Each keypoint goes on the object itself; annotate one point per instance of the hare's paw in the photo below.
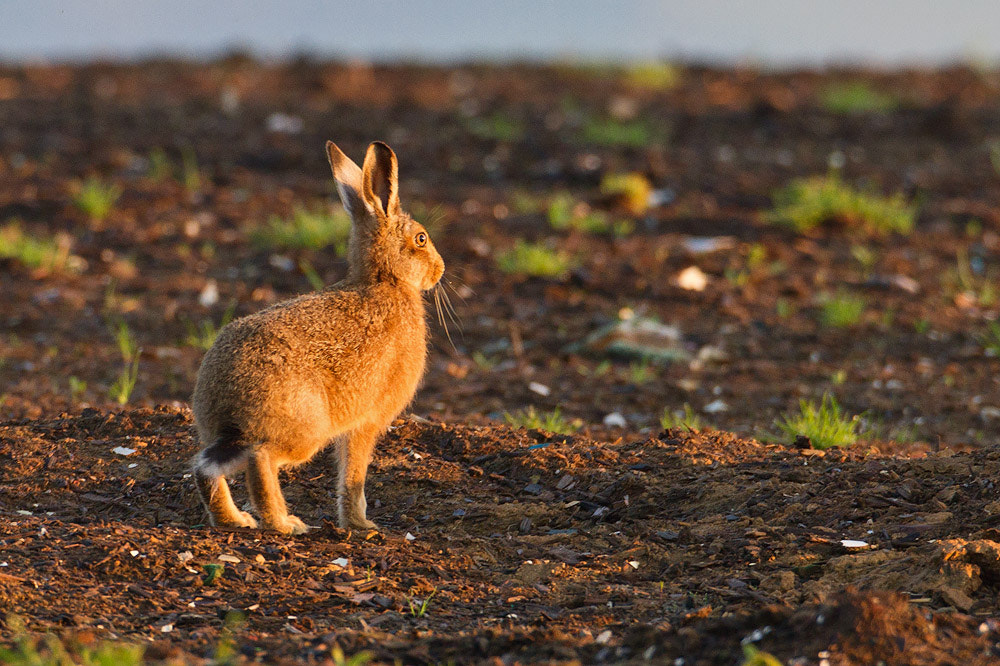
(361, 524)
(237, 519)
(289, 525)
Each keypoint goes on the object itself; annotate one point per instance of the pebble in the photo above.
(615, 420)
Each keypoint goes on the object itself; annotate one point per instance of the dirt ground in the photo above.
(499, 544)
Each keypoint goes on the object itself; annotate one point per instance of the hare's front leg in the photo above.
(265, 493)
(355, 454)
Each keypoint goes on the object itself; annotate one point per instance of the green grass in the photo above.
(653, 75)
(826, 426)
(420, 609)
(856, 97)
(681, 419)
(190, 172)
(617, 133)
(633, 189)
(842, 310)
(315, 281)
(990, 339)
(304, 230)
(535, 260)
(160, 168)
(121, 389)
(564, 213)
(43, 253)
(553, 421)
(77, 387)
(51, 651)
(202, 335)
(806, 203)
(972, 279)
(96, 199)
(496, 127)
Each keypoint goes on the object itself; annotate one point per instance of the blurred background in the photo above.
(773, 33)
(712, 214)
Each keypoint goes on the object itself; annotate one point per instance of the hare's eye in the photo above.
(420, 239)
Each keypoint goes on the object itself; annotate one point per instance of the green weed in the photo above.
(640, 373)
(77, 387)
(552, 421)
(46, 254)
(990, 340)
(315, 281)
(841, 310)
(419, 610)
(121, 389)
(971, 279)
(564, 213)
(686, 418)
(190, 172)
(654, 75)
(202, 335)
(535, 260)
(496, 127)
(806, 203)
(616, 133)
(51, 651)
(305, 230)
(358, 659)
(856, 97)
(96, 199)
(754, 657)
(484, 362)
(825, 426)
(160, 168)
(632, 189)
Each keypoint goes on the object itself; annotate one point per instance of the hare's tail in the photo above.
(228, 454)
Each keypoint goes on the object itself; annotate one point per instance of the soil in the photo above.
(501, 544)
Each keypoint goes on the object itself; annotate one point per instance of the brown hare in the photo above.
(331, 366)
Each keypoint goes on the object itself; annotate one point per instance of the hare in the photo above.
(330, 366)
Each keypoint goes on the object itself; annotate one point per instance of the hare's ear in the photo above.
(380, 179)
(347, 175)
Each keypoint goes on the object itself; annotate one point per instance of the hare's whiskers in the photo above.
(440, 313)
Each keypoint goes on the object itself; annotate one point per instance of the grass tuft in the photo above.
(825, 426)
(681, 419)
(202, 335)
(990, 340)
(96, 199)
(46, 254)
(617, 133)
(304, 230)
(842, 310)
(632, 189)
(534, 259)
(497, 127)
(51, 651)
(806, 203)
(856, 97)
(553, 421)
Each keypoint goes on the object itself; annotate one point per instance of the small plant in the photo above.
(419, 610)
(203, 334)
(497, 127)
(972, 280)
(190, 173)
(632, 189)
(357, 659)
(124, 338)
(484, 362)
(77, 387)
(807, 203)
(564, 213)
(160, 167)
(856, 97)
(841, 310)
(552, 421)
(535, 260)
(990, 340)
(640, 373)
(121, 389)
(754, 657)
(315, 281)
(45, 254)
(686, 418)
(614, 133)
(825, 426)
(305, 230)
(653, 75)
(784, 308)
(51, 651)
(96, 199)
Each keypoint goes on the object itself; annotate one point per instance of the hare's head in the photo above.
(385, 242)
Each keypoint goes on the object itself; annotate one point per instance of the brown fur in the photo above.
(337, 365)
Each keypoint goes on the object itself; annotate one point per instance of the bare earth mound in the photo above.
(530, 547)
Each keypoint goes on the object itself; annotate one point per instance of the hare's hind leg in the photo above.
(265, 493)
(210, 467)
(354, 455)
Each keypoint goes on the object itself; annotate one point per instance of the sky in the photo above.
(779, 33)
